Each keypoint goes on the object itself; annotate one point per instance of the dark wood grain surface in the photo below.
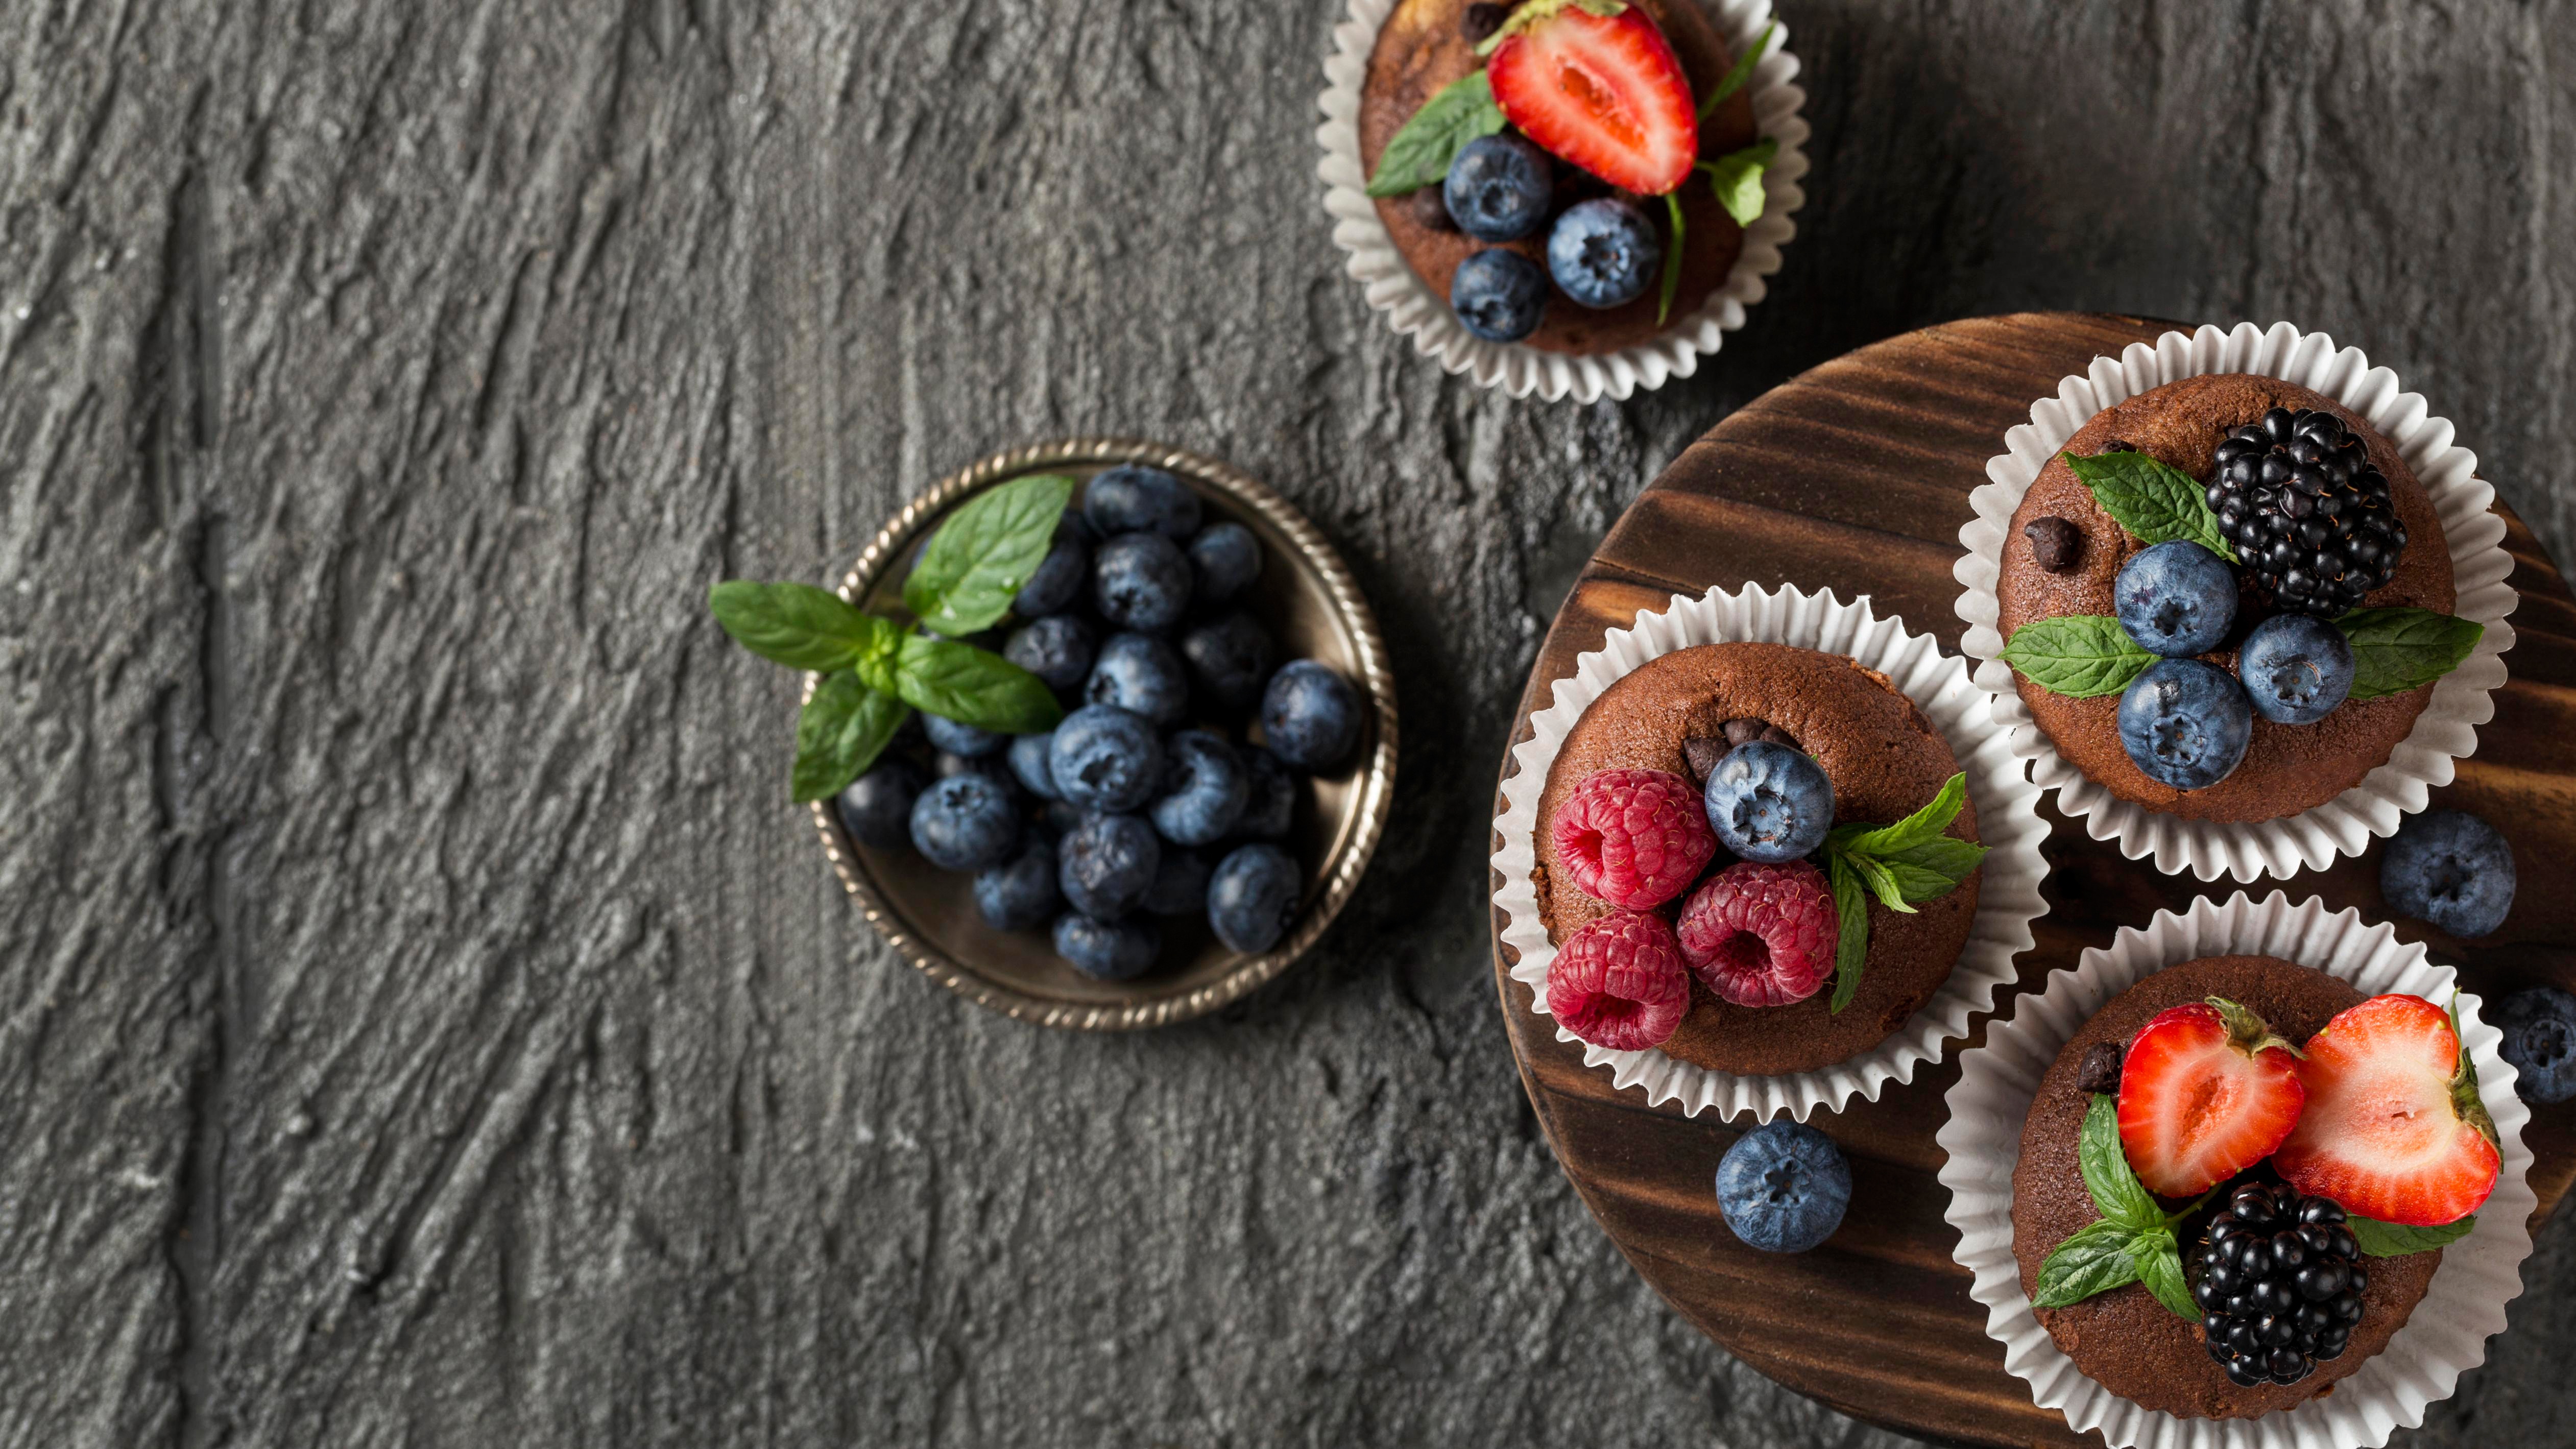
(1855, 477)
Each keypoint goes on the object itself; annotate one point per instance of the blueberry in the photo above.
(1270, 804)
(1057, 649)
(963, 740)
(1498, 295)
(1109, 952)
(1252, 897)
(1106, 864)
(1783, 1187)
(2449, 869)
(1139, 674)
(1133, 497)
(995, 767)
(1310, 716)
(2296, 668)
(1020, 894)
(877, 808)
(2185, 724)
(1768, 802)
(1058, 579)
(2539, 1027)
(2176, 599)
(1029, 761)
(1225, 558)
(1204, 789)
(964, 822)
(1180, 884)
(1604, 252)
(1141, 581)
(1230, 658)
(1105, 758)
(1498, 187)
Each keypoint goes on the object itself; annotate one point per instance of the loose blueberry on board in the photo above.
(2539, 1026)
(1029, 758)
(1106, 864)
(1133, 497)
(1141, 581)
(1058, 579)
(2450, 869)
(1270, 804)
(1604, 252)
(1498, 187)
(964, 822)
(2176, 599)
(1140, 674)
(1230, 657)
(1105, 758)
(1783, 1187)
(1769, 803)
(1020, 894)
(1310, 716)
(1498, 295)
(1109, 951)
(963, 740)
(1057, 649)
(1204, 789)
(2185, 724)
(877, 808)
(1180, 884)
(1225, 558)
(1252, 897)
(2296, 668)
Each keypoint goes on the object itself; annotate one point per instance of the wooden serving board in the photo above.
(1855, 477)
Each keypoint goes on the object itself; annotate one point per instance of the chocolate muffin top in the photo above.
(2287, 768)
(1885, 761)
(2124, 1339)
(1421, 48)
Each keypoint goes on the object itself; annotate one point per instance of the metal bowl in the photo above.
(1307, 599)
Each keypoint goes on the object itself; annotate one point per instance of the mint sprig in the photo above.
(1737, 179)
(977, 561)
(2154, 502)
(1419, 153)
(2132, 1242)
(1911, 861)
(2076, 655)
(2397, 1240)
(2395, 650)
(1738, 73)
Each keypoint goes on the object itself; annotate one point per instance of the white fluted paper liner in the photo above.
(2444, 1338)
(2008, 823)
(1416, 311)
(2446, 731)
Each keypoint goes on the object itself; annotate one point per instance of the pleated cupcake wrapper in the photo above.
(1414, 310)
(2006, 802)
(2444, 1338)
(2463, 699)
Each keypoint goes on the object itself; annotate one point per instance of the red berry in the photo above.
(2394, 1129)
(1762, 935)
(2206, 1091)
(1619, 982)
(1602, 91)
(1633, 838)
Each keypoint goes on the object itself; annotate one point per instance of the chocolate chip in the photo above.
(2101, 1069)
(2056, 543)
(1431, 208)
(1481, 20)
(1703, 752)
(1773, 734)
(1745, 731)
(2117, 446)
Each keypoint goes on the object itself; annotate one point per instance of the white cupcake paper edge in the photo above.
(1414, 310)
(2447, 1333)
(2463, 699)
(2006, 802)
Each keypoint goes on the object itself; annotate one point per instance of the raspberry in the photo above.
(1762, 935)
(1619, 983)
(1633, 838)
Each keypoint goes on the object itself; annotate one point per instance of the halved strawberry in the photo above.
(2206, 1091)
(2394, 1129)
(1603, 91)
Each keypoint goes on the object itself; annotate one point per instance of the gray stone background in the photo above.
(423, 1020)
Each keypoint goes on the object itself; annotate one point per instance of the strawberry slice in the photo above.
(2394, 1128)
(2206, 1091)
(1603, 91)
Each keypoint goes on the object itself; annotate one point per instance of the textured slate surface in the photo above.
(422, 1018)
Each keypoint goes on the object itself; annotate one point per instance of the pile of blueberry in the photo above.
(1138, 806)
(1602, 251)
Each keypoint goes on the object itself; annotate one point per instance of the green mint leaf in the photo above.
(973, 686)
(842, 730)
(1941, 864)
(2077, 655)
(2159, 1265)
(797, 625)
(1420, 153)
(1924, 824)
(2395, 650)
(1738, 73)
(1531, 12)
(1737, 179)
(2155, 503)
(978, 559)
(1881, 881)
(2107, 1174)
(2396, 1240)
(2093, 1259)
(1672, 279)
(1851, 949)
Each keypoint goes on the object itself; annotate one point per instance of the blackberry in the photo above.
(2279, 1286)
(2308, 512)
